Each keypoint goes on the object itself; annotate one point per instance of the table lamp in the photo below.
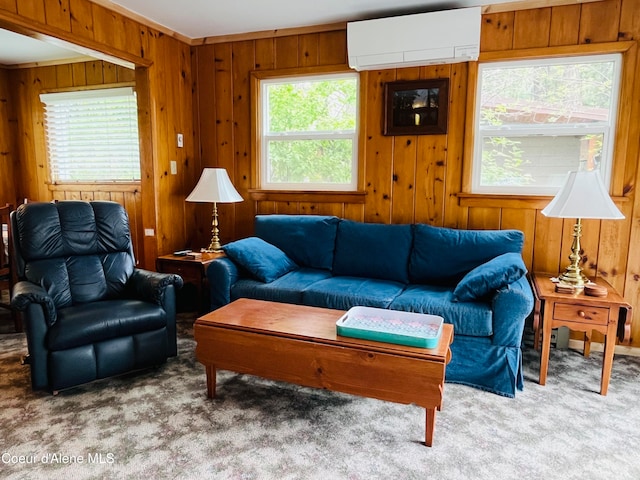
(583, 195)
(214, 187)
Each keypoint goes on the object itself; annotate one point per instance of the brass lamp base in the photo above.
(573, 274)
(575, 278)
(214, 246)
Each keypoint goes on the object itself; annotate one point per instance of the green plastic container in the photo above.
(391, 326)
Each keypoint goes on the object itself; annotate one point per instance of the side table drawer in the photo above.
(190, 272)
(581, 313)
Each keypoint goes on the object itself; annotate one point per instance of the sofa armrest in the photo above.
(222, 273)
(511, 305)
(26, 293)
(152, 286)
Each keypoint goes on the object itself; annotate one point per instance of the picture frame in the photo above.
(416, 107)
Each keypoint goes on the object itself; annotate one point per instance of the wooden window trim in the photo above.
(307, 196)
(534, 202)
(132, 187)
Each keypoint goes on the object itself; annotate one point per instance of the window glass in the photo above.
(538, 119)
(309, 134)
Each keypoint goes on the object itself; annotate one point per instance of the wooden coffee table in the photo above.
(299, 344)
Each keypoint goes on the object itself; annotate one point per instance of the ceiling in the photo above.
(209, 18)
(16, 49)
(196, 19)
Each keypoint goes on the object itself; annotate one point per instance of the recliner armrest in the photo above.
(25, 293)
(151, 286)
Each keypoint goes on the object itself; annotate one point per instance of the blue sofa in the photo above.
(475, 279)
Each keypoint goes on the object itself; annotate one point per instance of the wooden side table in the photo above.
(192, 271)
(583, 313)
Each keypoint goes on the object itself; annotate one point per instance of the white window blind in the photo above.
(92, 135)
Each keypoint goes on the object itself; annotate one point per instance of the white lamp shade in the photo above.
(214, 186)
(583, 195)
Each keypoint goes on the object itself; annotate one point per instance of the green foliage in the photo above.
(502, 163)
(315, 161)
(311, 130)
(314, 106)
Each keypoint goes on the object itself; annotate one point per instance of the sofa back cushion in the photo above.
(78, 251)
(442, 256)
(373, 250)
(308, 240)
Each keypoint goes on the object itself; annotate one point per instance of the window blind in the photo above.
(92, 135)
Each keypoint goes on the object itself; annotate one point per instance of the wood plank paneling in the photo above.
(564, 29)
(57, 14)
(93, 73)
(332, 48)
(286, 52)
(27, 84)
(8, 154)
(224, 122)
(404, 166)
(33, 9)
(600, 21)
(418, 178)
(453, 215)
(531, 28)
(81, 18)
(9, 5)
(159, 75)
(378, 149)
(436, 162)
(308, 50)
(243, 62)
(497, 32)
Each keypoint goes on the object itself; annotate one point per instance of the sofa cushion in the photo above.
(264, 261)
(343, 293)
(442, 256)
(309, 240)
(79, 325)
(373, 250)
(473, 319)
(287, 289)
(489, 277)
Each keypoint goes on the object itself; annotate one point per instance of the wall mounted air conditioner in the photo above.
(448, 36)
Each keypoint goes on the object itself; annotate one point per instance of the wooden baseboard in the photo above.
(599, 347)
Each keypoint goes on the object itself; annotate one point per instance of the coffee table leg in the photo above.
(211, 381)
(431, 423)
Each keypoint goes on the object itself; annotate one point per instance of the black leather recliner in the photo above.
(88, 312)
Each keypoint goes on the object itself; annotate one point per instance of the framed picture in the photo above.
(417, 107)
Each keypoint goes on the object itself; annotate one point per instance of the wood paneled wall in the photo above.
(420, 178)
(8, 157)
(405, 178)
(163, 83)
(26, 84)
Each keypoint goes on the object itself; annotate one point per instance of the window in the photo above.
(308, 134)
(92, 135)
(536, 120)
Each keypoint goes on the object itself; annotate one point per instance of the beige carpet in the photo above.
(159, 424)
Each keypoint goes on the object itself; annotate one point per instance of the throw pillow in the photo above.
(264, 261)
(490, 276)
